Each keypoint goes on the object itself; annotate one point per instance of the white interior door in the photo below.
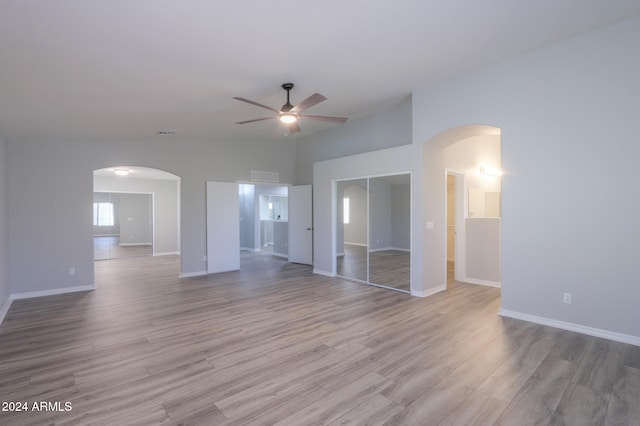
(300, 225)
(223, 223)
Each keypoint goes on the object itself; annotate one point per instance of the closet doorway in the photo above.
(373, 230)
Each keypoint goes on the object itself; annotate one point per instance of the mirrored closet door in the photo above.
(390, 231)
(351, 229)
(373, 231)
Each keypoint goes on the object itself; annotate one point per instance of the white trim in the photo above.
(280, 255)
(428, 292)
(134, 244)
(5, 308)
(191, 274)
(169, 253)
(387, 287)
(325, 273)
(52, 292)
(564, 325)
(253, 250)
(390, 249)
(487, 283)
(356, 244)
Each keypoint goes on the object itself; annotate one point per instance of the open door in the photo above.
(223, 223)
(300, 225)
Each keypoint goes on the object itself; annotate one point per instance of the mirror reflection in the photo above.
(373, 230)
(483, 203)
(351, 229)
(390, 231)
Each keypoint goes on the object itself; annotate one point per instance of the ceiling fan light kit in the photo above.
(289, 114)
(288, 118)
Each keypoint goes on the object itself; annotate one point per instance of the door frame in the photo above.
(307, 258)
(459, 255)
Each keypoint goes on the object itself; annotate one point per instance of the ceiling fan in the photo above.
(290, 114)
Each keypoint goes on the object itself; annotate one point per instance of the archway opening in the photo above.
(136, 212)
(465, 163)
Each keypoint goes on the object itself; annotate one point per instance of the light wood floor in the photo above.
(390, 268)
(275, 344)
(108, 247)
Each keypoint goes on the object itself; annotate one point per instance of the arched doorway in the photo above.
(470, 157)
(135, 212)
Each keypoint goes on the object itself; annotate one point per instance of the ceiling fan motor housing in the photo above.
(287, 107)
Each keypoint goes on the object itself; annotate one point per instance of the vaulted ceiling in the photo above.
(126, 70)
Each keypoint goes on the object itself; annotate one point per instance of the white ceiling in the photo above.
(124, 70)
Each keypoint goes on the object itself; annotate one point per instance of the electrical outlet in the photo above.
(72, 271)
(567, 298)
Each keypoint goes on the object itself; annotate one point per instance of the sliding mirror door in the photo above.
(351, 229)
(390, 231)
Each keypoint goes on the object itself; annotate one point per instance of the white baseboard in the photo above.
(389, 249)
(564, 325)
(355, 244)
(249, 249)
(52, 292)
(5, 308)
(325, 273)
(134, 244)
(169, 253)
(487, 283)
(286, 256)
(380, 249)
(191, 274)
(428, 292)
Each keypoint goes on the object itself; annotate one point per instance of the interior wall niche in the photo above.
(373, 230)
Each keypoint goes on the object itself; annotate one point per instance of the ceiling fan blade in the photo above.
(256, 104)
(312, 100)
(256, 119)
(293, 127)
(324, 118)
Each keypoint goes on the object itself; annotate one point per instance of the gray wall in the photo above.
(385, 129)
(135, 217)
(389, 213)
(5, 289)
(379, 214)
(64, 181)
(568, 116)
(281, 238)
(401, 216)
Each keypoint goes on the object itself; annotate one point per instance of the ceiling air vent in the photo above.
(271, 177)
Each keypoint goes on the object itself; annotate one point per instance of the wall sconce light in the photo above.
(489, 171)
